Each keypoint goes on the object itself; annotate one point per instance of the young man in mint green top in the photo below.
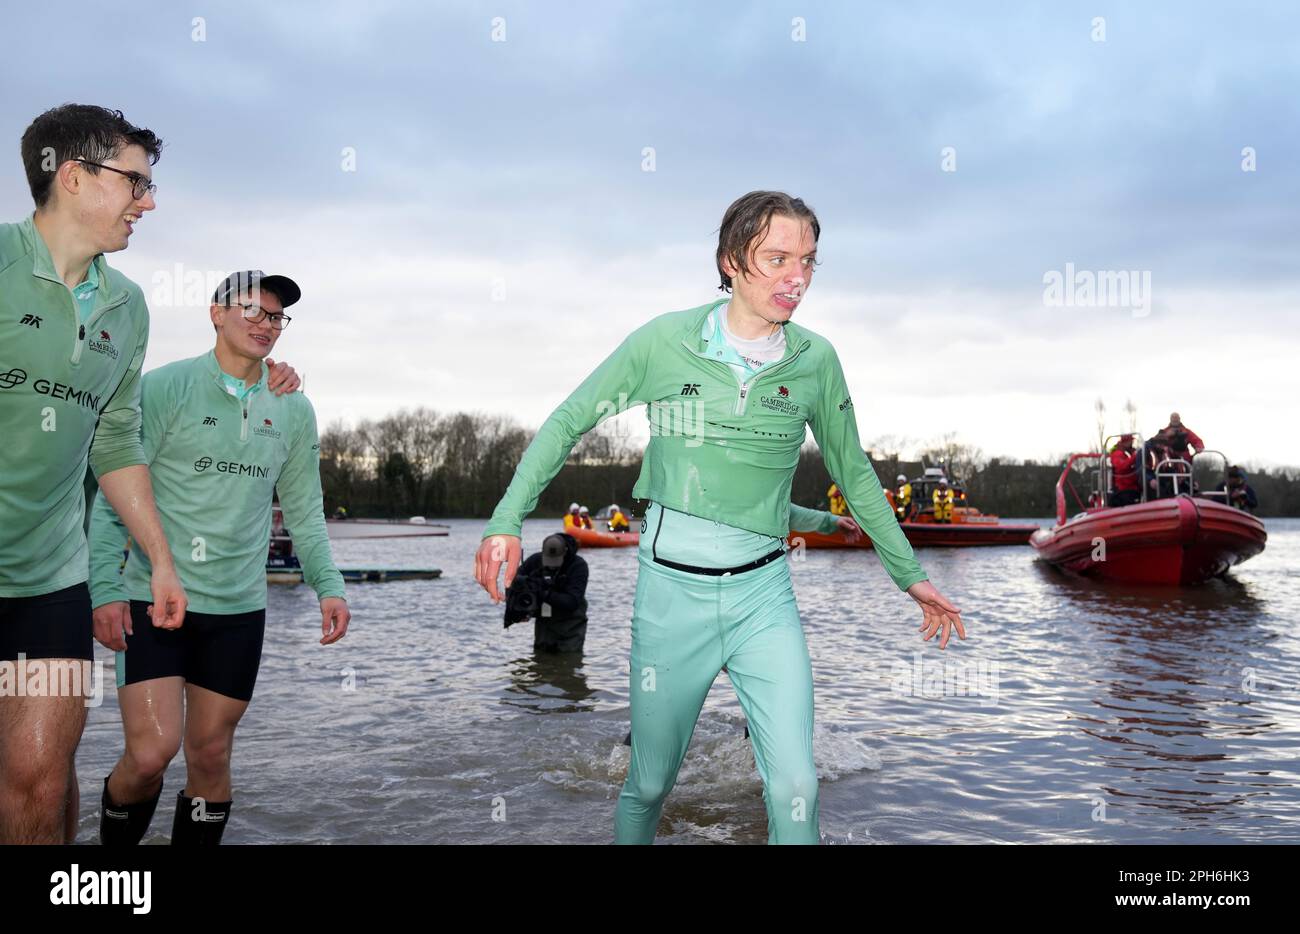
(219, 447)
(73, 333)
(218, 454)
(724, 444)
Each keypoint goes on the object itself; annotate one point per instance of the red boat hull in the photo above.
(932, 534)
(1182, 540)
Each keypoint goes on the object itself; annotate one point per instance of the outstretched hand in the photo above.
(939, 613)
(495, 550)
(849, 529)
(334, 619)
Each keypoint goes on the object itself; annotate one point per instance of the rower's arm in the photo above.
(107, 534)
(613, 386)
(107, 539)
(304, 508)
(836, 429)
(803, 519)
(117, 436)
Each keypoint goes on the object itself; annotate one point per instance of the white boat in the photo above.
(282, 566)
(416, 526)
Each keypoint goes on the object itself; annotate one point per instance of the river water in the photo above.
(1073, 712)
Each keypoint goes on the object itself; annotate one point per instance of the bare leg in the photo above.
(38, 743)
(152, 715)
(210, 721)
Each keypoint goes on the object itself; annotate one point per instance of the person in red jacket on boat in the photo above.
(1181, 438)
(1124, 473)
(1176, 442)
(1155, 450)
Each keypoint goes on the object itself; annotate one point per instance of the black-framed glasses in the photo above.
(140, 185)
(256, 314)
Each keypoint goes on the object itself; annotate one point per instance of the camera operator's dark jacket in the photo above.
(568, 594)
(565, 630)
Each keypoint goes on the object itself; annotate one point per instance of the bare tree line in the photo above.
(457, 465)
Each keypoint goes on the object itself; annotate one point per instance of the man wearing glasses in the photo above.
(219, 448)
(73, 332)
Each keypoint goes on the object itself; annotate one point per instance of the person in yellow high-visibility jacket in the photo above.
(942, 502)
(617, 521)
(903, 499)
(571, 520)
(838, 506)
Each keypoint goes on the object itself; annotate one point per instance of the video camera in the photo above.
(528, 592)
(524, 597)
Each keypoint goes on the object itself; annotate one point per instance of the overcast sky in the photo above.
(462, 192)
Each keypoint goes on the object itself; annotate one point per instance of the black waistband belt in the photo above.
(722, 572)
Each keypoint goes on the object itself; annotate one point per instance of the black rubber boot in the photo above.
(125, 825)
(190, 829)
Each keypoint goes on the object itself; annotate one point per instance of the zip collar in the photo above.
(796, 340)
(214, 370)
(43, 267)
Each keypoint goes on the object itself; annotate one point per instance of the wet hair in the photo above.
(78, 131)
(746, 223)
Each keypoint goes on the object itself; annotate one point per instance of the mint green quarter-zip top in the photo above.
(722, 446)
(69, 394)
(216, 461)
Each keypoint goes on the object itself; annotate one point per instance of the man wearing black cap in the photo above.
(551, 587)
(219, 448)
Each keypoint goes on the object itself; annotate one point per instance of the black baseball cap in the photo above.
(285, 289)
(553, 550)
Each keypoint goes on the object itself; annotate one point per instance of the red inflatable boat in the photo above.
(1184, 538)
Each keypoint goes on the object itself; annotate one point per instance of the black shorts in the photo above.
(217, 651)
(52, 625)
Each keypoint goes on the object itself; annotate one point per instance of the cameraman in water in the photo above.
(551, 587)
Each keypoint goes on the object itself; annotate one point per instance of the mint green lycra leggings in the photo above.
(685, 628)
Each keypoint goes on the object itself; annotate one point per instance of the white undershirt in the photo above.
(756, 351)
